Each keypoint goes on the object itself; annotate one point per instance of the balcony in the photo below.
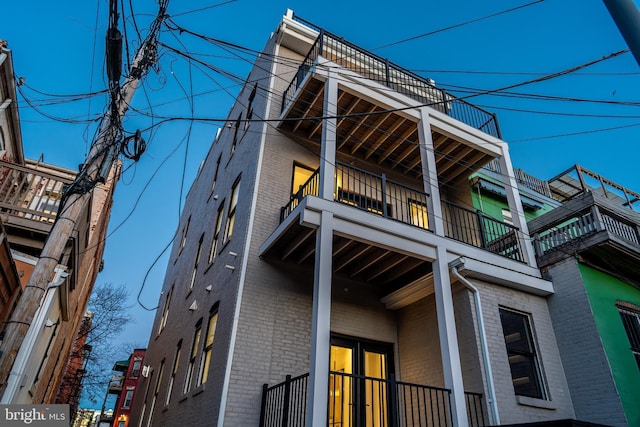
(115, 385)
(359, 400)
(378, 122)
(400, 80)
(601, 230)
(380, 196)
(29, 197)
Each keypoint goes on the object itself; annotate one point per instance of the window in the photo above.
(231, 216)
(135, 372)
(156, 390)
(216, 234)
(122, 423)
(631, 320)
(523, 360)
(215, 173)
(301, 175)
(165, 310)
(250, 106)
(507, 217)
(174, 370)
(192, 357)
(235, 135)
(418, 214)
(128, 397)
(185, 230)
(195, 263)
(205, 362)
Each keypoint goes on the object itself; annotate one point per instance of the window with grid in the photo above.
(231, 216)
(174, 370)
(631, 321)
(185, 230)
(215, 173)
(137, 363)
(205, 361)
(234, 143)
(521, 350)
(128, 397)
(216, 233)
(192, 357)
(165, 311)
(250, 106)
(194, 271)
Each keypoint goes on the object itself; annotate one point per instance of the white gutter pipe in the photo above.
(493, 405)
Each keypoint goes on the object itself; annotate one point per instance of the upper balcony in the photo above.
(29, 198)
(600, 230)
(377, 110)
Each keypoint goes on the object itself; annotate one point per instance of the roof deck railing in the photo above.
(381, 70)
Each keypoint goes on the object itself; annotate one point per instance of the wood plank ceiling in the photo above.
(366, 131)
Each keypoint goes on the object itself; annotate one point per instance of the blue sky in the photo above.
(58, 47)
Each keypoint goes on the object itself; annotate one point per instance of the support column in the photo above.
(515, 205)
(429, 173)
(449, 348)
(318, 397)
(328, 147)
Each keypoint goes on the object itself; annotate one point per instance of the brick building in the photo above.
(338, 244)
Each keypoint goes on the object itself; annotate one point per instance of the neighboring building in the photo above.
(590, 248)
(86, 418)
(122, 390)
(71, 385)
(30, 193)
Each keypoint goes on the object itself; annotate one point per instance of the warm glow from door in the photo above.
(418, 214)
(375, 391)
(340, 390)
(300, 176)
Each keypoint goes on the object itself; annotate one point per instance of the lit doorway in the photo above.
(358, 391)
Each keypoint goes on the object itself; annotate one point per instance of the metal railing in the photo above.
(401, 80)
(480, 230)
(285, 404)
(360, 400)
(30, 193)
(370, 192)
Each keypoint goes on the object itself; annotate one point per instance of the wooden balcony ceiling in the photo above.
(368, 132)
(352, 259)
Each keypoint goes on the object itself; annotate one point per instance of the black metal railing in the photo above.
(370, 192)
(309, 188)
(381, 70)
(360, 400)
(285, 404)
(482, 231)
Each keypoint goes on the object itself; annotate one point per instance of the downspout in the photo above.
(483, 339)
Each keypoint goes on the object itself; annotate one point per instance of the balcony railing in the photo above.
(528, 181)
(379, 195)
(30, 193)
(480, 230)
(582, 224)
(401, 80)
(359, 400)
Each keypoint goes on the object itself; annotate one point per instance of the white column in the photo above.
(328, 148)
(429, 173)
(515, 205)
(318, 397)
(448, 339)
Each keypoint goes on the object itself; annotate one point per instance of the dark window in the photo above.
(231, 216)
(194, 271)
(216, 234)
(215, 173)
(521, 350)
(235, 135)
(631, 321)
(250, 106)
(185, 230)
(137, 363)
(195, 346)
(174, 371)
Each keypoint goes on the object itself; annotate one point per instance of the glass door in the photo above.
(358, 395)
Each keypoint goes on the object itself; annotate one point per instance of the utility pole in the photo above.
(99, 160)
(627, 17)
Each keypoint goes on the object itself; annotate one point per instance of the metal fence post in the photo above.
(285, 403)
(263, 405)
(483, 237)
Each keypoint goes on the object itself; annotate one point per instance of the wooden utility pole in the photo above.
(102, 150)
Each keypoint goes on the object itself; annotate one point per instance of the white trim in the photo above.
(236, 316)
